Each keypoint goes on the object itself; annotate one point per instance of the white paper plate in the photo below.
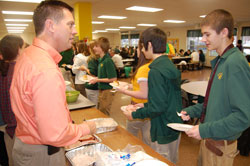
(121, 85)
(180, 127)
(124, 108)
(67, 83)
(150, 163)
(88, 78)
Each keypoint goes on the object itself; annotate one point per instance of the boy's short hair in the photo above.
(103, 42)
(157, 37)
(52, 9)
(218, 20)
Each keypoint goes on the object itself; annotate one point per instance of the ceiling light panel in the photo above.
(97, 22)
(147, 25)
(30, 1)
(16, 28)
(144, 9)
(112, 29)
(126, 27)
(20, 25)
(203, 16)
(174, 21)
(18, 20)
(18, 12)
(101, 31)
(112, 17)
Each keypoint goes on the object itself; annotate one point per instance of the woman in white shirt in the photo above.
(80, 65)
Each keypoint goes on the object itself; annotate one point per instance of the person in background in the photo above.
(239, 45)
(117, 59)
(11, 47)
(106, 75)
(117, 50)
(37, 92)
(170, 51)
(80, 66)
(139, 94)
(181, 53)
(124, 53)
(225, 114)
(92, 91)
(164, 95)
(187, 53)
(202, 58)
(195, 57)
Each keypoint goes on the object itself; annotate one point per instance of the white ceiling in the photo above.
(187, 10)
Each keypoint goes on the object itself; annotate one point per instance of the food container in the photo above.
(72, 96)
(83, 143)
(89, 150)
(104, 125)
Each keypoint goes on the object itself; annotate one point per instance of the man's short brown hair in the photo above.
(48, 9)
(103, 42)
(218, 20)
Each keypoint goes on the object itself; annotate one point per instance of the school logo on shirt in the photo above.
(101, 65)
(220, 76)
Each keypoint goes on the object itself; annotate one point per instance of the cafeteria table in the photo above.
(117, 139)
(177, 60)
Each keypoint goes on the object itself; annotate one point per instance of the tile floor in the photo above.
(189, 148)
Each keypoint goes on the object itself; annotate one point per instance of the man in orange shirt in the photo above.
(38, 91)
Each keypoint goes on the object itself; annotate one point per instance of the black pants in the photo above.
(3, 151)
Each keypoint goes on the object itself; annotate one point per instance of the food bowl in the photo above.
(72, 96)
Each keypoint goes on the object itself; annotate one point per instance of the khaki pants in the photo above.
(36, 155)
(105, 101)
(169, 151)
(208, 158)
(143, 125)
(92, 95)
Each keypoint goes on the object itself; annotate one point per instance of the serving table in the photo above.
(82, 102)
(117, 139)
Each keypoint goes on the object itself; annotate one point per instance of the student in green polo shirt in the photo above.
(225, 113)
(106, 75)
(164, 95)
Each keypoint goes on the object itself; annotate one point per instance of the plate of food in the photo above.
(125, 107)
(85, 140)
(180, 126)
(86, 78)
(119, 84)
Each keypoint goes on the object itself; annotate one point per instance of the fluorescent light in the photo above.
(112, 29)
(94, 32)
(203, 16)
(174, 21)
(17, 28)
(20, 25)
(30, 1)
(18, 20)
(97, 22)
(16, 32)
(13, 31)
(124, 27)
(18, 12)
(112, 17)
(147, 25)
(144, 9)
(101, 31)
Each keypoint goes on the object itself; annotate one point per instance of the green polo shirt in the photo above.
(228, 108)
(93, 69)
(106, 69)
(164, 100)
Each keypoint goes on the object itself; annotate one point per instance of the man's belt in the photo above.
(213, 144)
(52, 149)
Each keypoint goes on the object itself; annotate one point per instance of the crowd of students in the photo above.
(33, 102)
